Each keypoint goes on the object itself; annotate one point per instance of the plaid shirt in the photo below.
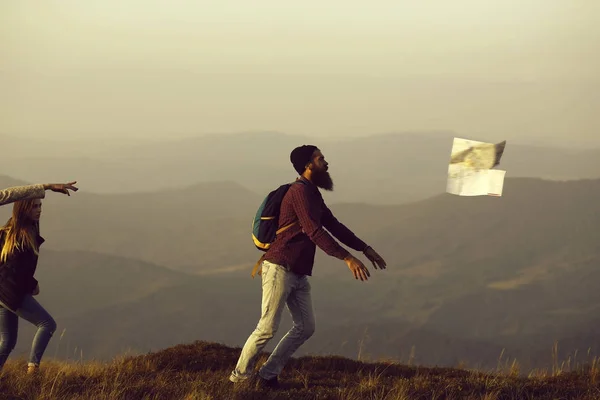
(295, 248)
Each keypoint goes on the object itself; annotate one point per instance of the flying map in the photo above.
(471, 173)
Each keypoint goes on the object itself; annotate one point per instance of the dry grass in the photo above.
(200, 371)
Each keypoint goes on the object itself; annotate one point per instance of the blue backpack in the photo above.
(265, 226)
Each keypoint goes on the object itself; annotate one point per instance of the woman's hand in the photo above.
(61, 187)
(36, 291)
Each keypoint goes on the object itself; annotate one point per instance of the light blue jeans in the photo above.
(279, 287)
(33, 312)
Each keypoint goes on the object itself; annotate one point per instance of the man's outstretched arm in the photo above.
(307, 207)
(346, 236)
(341, 231)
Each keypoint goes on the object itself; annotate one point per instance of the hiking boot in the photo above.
(272, 383)
(249, 378)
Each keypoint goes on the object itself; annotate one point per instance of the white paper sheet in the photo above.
(470, 170)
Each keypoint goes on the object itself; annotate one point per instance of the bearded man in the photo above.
(289, 262)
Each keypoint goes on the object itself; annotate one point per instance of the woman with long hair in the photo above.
(16, 193)
(20, 242)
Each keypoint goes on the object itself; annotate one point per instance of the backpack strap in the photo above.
(262, 258)
(257, 268)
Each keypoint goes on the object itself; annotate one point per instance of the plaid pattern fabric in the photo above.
(295, 248)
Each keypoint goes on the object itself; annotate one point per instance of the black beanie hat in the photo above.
(301, 156)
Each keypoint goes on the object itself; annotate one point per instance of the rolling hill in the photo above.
(192, 228)
(206, 227)
(199, 371)
(381, 169)
(475, 274)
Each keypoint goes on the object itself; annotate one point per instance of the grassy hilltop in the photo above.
(200, 371)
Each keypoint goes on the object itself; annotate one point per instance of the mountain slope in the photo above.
(516, 272)
(381, 169)
(193, 228)
(200, 370)
(77, 282)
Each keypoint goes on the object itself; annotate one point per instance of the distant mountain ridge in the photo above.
(381, 169)
(479, 274)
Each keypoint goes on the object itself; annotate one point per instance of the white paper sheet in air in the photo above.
(470, 170)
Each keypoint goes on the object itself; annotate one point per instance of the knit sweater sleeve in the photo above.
(17, 193)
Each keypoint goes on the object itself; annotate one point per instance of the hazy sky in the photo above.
(330, 67)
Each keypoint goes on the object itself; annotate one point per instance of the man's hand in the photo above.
(375, 258)
(62, 187)
(358, 268)
(36, 291)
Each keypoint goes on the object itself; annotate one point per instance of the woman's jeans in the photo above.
(33, 312)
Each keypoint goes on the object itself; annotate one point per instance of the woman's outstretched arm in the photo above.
(12, 194)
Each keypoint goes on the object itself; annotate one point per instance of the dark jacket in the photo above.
(16, 275)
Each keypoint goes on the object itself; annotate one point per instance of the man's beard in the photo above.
(322, 179)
